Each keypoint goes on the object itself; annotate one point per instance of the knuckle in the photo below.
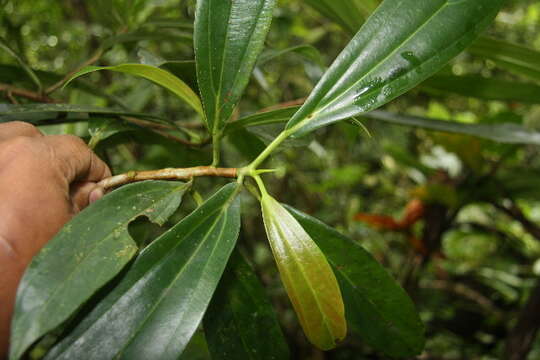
(23, 150)
(20, 145)
(26, 128)
(74, 141)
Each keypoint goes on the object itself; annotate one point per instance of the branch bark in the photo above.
(32, 95)
(95, 57)
(168, 174)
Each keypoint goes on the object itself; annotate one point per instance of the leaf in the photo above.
(509, 133)
(14, 74)
(27, 69)
(307, 51)
(228, 37)
(197, 348)
(86, 254)
(263, 118)
(483, 88)
(377, 307)
(515, 58)
(154, 74)
(524, 186)
(350, 14)
(157, 306)
(505, 133)
(306, 275)
(101, 129)
(248, 145)
(45, 114)
(401, 44)
(184, 69)
(240, 322)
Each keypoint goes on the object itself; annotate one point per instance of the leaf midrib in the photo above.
(375, 308)
(362, 78)
(111, 234)
(165, 293)
(298, 263)
(218, 105)
(337, 267)
(220, 234)
(74, 270)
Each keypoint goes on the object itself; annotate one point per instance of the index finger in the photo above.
(77, 161)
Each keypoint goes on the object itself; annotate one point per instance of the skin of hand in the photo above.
(44, 182)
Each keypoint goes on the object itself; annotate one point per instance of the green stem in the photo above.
(260, 184)
(251, 169)
(253, 190)
(216, 148)
(270, 148)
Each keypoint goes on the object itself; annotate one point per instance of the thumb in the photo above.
(84, 193)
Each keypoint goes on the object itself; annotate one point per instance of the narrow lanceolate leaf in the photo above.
(483, 88)
(46, 114)
(377, 307)
(229, 35)
(515, 58)
(508, 133)
(306, 275)
(402, 43)
(263, 118)
(156, 307)
(240, 322)
(154, 74)
(88, 252)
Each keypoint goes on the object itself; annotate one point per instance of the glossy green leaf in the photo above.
(306, 275)
(240, 322)
(87, 253)
(29, 72)
(377, 308)
(402, 43)
(350, 14)
(515, 58)
(483, 88)
(157, 306)
(46, 114)
(154, 74)
(509, 133)
(229, 35)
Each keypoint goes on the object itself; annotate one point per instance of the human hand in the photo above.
(44, 182)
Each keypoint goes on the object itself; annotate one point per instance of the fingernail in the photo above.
(95, 195)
